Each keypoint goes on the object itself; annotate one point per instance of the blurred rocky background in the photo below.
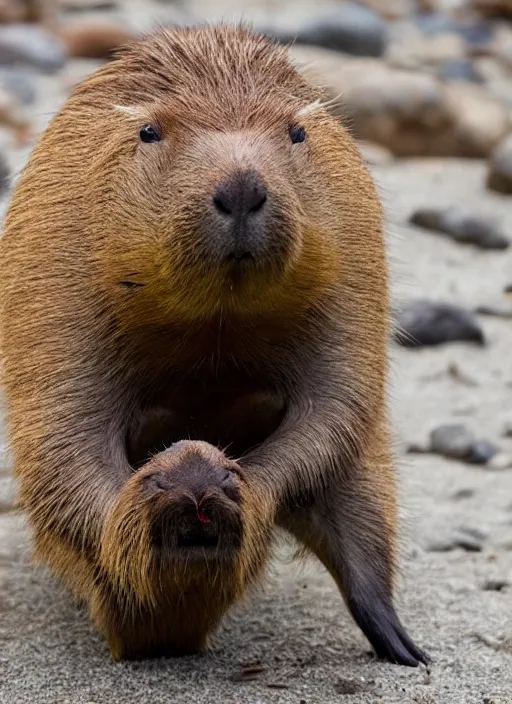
(425, 86)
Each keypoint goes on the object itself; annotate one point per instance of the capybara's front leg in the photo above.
(177, 551)
(351, 528)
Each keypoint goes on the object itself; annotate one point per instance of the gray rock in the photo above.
(454, 441)
(463, 494)
(475, 533)
(479, 37)
(461, 226)
(495, 585)
(20, 83)
(500, 461)
(424, 323)
(494, 311)
(481, 452)
(459, 70)
(435, 23)
(499, 177)
(461, 542)
(87, 5)
(351, 28)
(417, 448)
(507, 429)
(421, 53)
(31, 45)
(5, 176)
(349, 686)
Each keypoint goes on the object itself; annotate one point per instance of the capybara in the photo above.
(195, 322)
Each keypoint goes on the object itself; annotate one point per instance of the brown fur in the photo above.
(120, 337)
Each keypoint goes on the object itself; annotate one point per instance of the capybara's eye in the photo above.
(297, 134)
(149, 133)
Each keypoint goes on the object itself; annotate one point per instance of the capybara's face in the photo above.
(217, 204)
(219, 174)
(192, 500)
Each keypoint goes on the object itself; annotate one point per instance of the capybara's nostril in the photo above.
(222, 203)
(258, 201)
(240, 195)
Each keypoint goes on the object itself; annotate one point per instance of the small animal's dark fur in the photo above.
(128, 326)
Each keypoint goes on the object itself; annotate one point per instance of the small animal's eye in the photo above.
(149, 133)
(297, 134)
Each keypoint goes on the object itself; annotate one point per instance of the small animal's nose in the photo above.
(240, 195)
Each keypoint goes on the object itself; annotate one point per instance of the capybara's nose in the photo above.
(240, 195)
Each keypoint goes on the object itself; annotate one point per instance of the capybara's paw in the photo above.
(192, 492)
(380, 623)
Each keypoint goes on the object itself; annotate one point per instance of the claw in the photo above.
(381, 625)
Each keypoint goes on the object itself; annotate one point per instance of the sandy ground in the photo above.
(297, 631)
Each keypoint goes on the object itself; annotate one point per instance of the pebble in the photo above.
(500, 461)
(351, 28)
(458, 442)
(30, 45)
(507, 429)
(435, 23)
(85, 5)
(501, 46)
(463, 494)
(403, 111)
(19, 82)
(481, 121)
(417, 448)
(455, 441)
(482, 452)
(423, 323)
(495, 585)
(15, 116)
(5, 176)
(490, 70)
(478, 36)
(499, 177)
(457, 541)
(475, 533)
(411, 113)
(419, 52)
(461, 226)
(349, 686)
(460, 69)
(494, 311)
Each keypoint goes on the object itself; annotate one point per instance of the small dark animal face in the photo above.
(213, 197)
(195, 508)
